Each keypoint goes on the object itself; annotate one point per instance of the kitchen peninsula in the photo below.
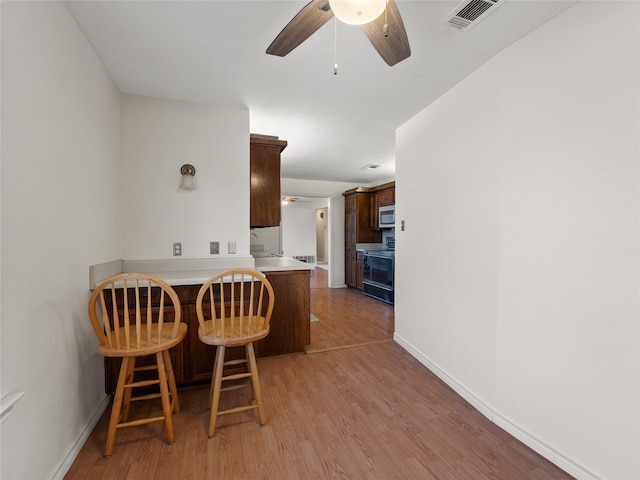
(192, 359)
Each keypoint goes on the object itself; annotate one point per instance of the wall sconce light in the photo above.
(188, 172)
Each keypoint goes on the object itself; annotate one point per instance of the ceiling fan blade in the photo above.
(313, 16)
(394, 47)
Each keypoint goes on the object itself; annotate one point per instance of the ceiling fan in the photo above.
(383, 26)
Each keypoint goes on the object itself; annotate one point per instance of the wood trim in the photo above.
(383, 186)
(268, 140)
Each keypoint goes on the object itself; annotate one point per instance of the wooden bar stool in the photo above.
(136, 315)
(234, 309)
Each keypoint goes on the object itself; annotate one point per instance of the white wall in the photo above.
(299, 226)
(60, 214)
(266, 239)
(86, 181)
(158, 137)
(298, 229)
(332, 190)
(520, 189)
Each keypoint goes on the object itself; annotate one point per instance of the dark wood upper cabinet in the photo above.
(381, 196)
(265, 201)
(386, 196)
(361, 226)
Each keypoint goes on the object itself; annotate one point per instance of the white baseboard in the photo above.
(76, 446)
(536, 444)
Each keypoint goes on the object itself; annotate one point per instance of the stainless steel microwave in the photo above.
(387, 216)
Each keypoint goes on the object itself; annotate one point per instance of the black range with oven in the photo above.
(378, 274)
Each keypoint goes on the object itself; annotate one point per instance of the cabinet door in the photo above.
(364, 233)
(350, 203)
(290, 328)
(360, 271)
(351, 268)
(200, 356)
(350, 230)
(265, 202)
(364, 215)
(386, 197)
(373, 211)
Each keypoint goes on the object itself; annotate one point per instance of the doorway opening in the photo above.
(322, 237)
(306, 230)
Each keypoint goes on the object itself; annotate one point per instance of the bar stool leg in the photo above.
(172, 381)
(216, 386)
(128, 392)
(255, 381)
(117, 407)
(164, 396)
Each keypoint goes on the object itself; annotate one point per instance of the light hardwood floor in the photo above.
(356, 406)
(347, 318)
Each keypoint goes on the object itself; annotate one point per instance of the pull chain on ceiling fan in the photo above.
(386, 33)
(385, 27)
(335, 47)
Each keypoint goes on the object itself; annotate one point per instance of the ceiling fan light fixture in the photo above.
(357, 12)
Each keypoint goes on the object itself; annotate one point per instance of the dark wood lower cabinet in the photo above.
(290, 331)
(360, 271)
(354, 269)
(291, 319)
(351, 268)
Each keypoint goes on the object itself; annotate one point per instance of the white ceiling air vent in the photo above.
(467, 15)
(371, 166)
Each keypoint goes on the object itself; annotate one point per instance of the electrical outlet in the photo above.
(177, 249)
(214, 248)
(232, 247)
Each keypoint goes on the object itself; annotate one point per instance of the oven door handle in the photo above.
(378, 256)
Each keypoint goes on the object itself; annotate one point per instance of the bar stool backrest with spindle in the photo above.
(138, 315)
(234, 308)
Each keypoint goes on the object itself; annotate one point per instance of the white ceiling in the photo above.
(213, 52)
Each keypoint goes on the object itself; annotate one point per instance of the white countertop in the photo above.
(274, 264)
(192, 271)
